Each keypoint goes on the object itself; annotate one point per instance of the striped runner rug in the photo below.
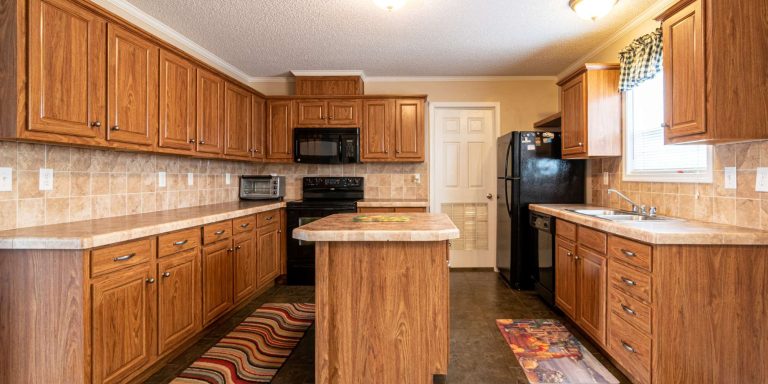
(255, 350)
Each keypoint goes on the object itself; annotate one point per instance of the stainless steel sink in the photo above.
(619, 215)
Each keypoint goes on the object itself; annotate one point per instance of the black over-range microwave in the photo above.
(326, 145)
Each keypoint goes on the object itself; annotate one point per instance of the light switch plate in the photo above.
(46, 179)
(606, 178)
(161, 179)
(228, 178)
(730, 178)
(762, 180)
(417, 178)
(190, 178)
(6, 179)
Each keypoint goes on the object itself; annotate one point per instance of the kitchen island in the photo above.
(382, 297)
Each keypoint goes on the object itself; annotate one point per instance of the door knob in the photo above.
(489, 196)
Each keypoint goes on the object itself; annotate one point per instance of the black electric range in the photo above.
(322, 196)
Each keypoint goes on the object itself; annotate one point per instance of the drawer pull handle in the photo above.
(628, 282)
(125, 257)
(269, 218)
(628, 253)
(166, 274)
(628, 310)
(245, 225)
(219, 232)
(628, 347)
(181, 242)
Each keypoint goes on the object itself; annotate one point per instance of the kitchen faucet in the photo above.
(636, 208)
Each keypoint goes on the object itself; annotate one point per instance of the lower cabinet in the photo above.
(565, 277)
(178, 299)
(123, 304)
(268, 266)
(245, 253)
(217, 279)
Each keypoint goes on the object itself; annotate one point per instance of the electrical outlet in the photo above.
(6, 179)
(762, 180)
(416, 178)
(161, 182)
(46, 179)
(730, 178)
(606, 178)
(227, 178)
(190, 178)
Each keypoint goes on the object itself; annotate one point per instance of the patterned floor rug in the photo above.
(549, 353)
(255, 350)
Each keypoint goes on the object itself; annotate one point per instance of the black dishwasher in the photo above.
(544, 271)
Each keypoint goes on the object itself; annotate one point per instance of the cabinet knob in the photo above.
(581, 144)
(238, 247)
(166, 274)
(150, 280)
(230, 250)
(330, 117)
(576, 257)
(569, 254)
(116, 128)
(386, 151)
(96, 124)
(397, 151)
(256, 150)
(191, 141)
(202, 141)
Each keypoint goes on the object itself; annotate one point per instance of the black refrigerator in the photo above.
(530, 170)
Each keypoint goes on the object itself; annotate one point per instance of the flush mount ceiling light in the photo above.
(592, 9)
(390, 5)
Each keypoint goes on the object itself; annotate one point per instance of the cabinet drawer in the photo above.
(175, 242)
(635, 283)
(269, 217)
(630, 252)
(120, 256)
(630, 348)
(217, 231)
(244, 224)
(631, 310)
(595, 240)
(566, 230)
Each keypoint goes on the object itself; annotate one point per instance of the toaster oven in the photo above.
(262, 187)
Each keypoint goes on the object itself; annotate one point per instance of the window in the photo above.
(647, 158)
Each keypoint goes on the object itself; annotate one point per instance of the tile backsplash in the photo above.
(714, 203)
(92, 184)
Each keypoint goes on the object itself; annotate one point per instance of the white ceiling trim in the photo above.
(142, 19)
(420, 79)
(648, 14)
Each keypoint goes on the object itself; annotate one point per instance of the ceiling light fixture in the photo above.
(592, 9)
(390, 5)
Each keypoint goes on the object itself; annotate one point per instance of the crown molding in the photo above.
(330, 72)
(272, 79)
(441, 79)
(156, 27)
(647, 15)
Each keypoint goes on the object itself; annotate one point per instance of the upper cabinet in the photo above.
(714, 63)
(327, 113)
(377, 129)
(591, 112)
(210, 112)
(409, 130)
(257, 130)
(67, 91)
(237, 121)
(132, 87)
(279, 130)
(392, 130)
(177, 102)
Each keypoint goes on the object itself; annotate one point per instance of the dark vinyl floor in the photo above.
(478, 351)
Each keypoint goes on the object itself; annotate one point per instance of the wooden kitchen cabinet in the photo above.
(123, 306)
(327, 113)
(257, 127)
(565, 276)
(279, 130)
(392, 130)
(67, 90)
(177, 102)
(409, 130)
(132, 88)
(343, 113)
(591, 112)
(591, 283)
(377, 130)
(268, 243)
(311, 113)
(178, 299)
(245, 262)
(714, 55)
(218, 275)
(237, 121)
(210, 112)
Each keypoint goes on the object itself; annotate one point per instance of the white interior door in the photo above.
(464, 181)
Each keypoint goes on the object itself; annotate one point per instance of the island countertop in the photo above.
(343, 227)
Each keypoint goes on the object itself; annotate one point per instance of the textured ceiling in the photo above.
(424, 38)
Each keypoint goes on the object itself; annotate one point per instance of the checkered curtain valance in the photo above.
(641, 60)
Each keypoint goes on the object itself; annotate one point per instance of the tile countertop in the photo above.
(393, 203)
(342, 227)
(676, 232)
(95, 233)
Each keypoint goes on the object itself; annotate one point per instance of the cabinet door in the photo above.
(268, 266)
(574, 119)
(592, 275)
(311, 113)
(378, 127)
(245, 266)
(210, 112)
(132, 88)
(178, 299)
(66, 69)
(684, 78)
(257, 128)
(343, 113)
(279, 130)
(177, 102)
(565, 277)
(217, 280)
(122, 308)
(237, 121)
(409, 130)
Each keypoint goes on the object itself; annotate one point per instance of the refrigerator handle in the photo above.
(506, 196)
(507, 161)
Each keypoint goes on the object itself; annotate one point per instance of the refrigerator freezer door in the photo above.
(503, 156)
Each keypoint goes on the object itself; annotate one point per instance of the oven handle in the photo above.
(341, 153)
